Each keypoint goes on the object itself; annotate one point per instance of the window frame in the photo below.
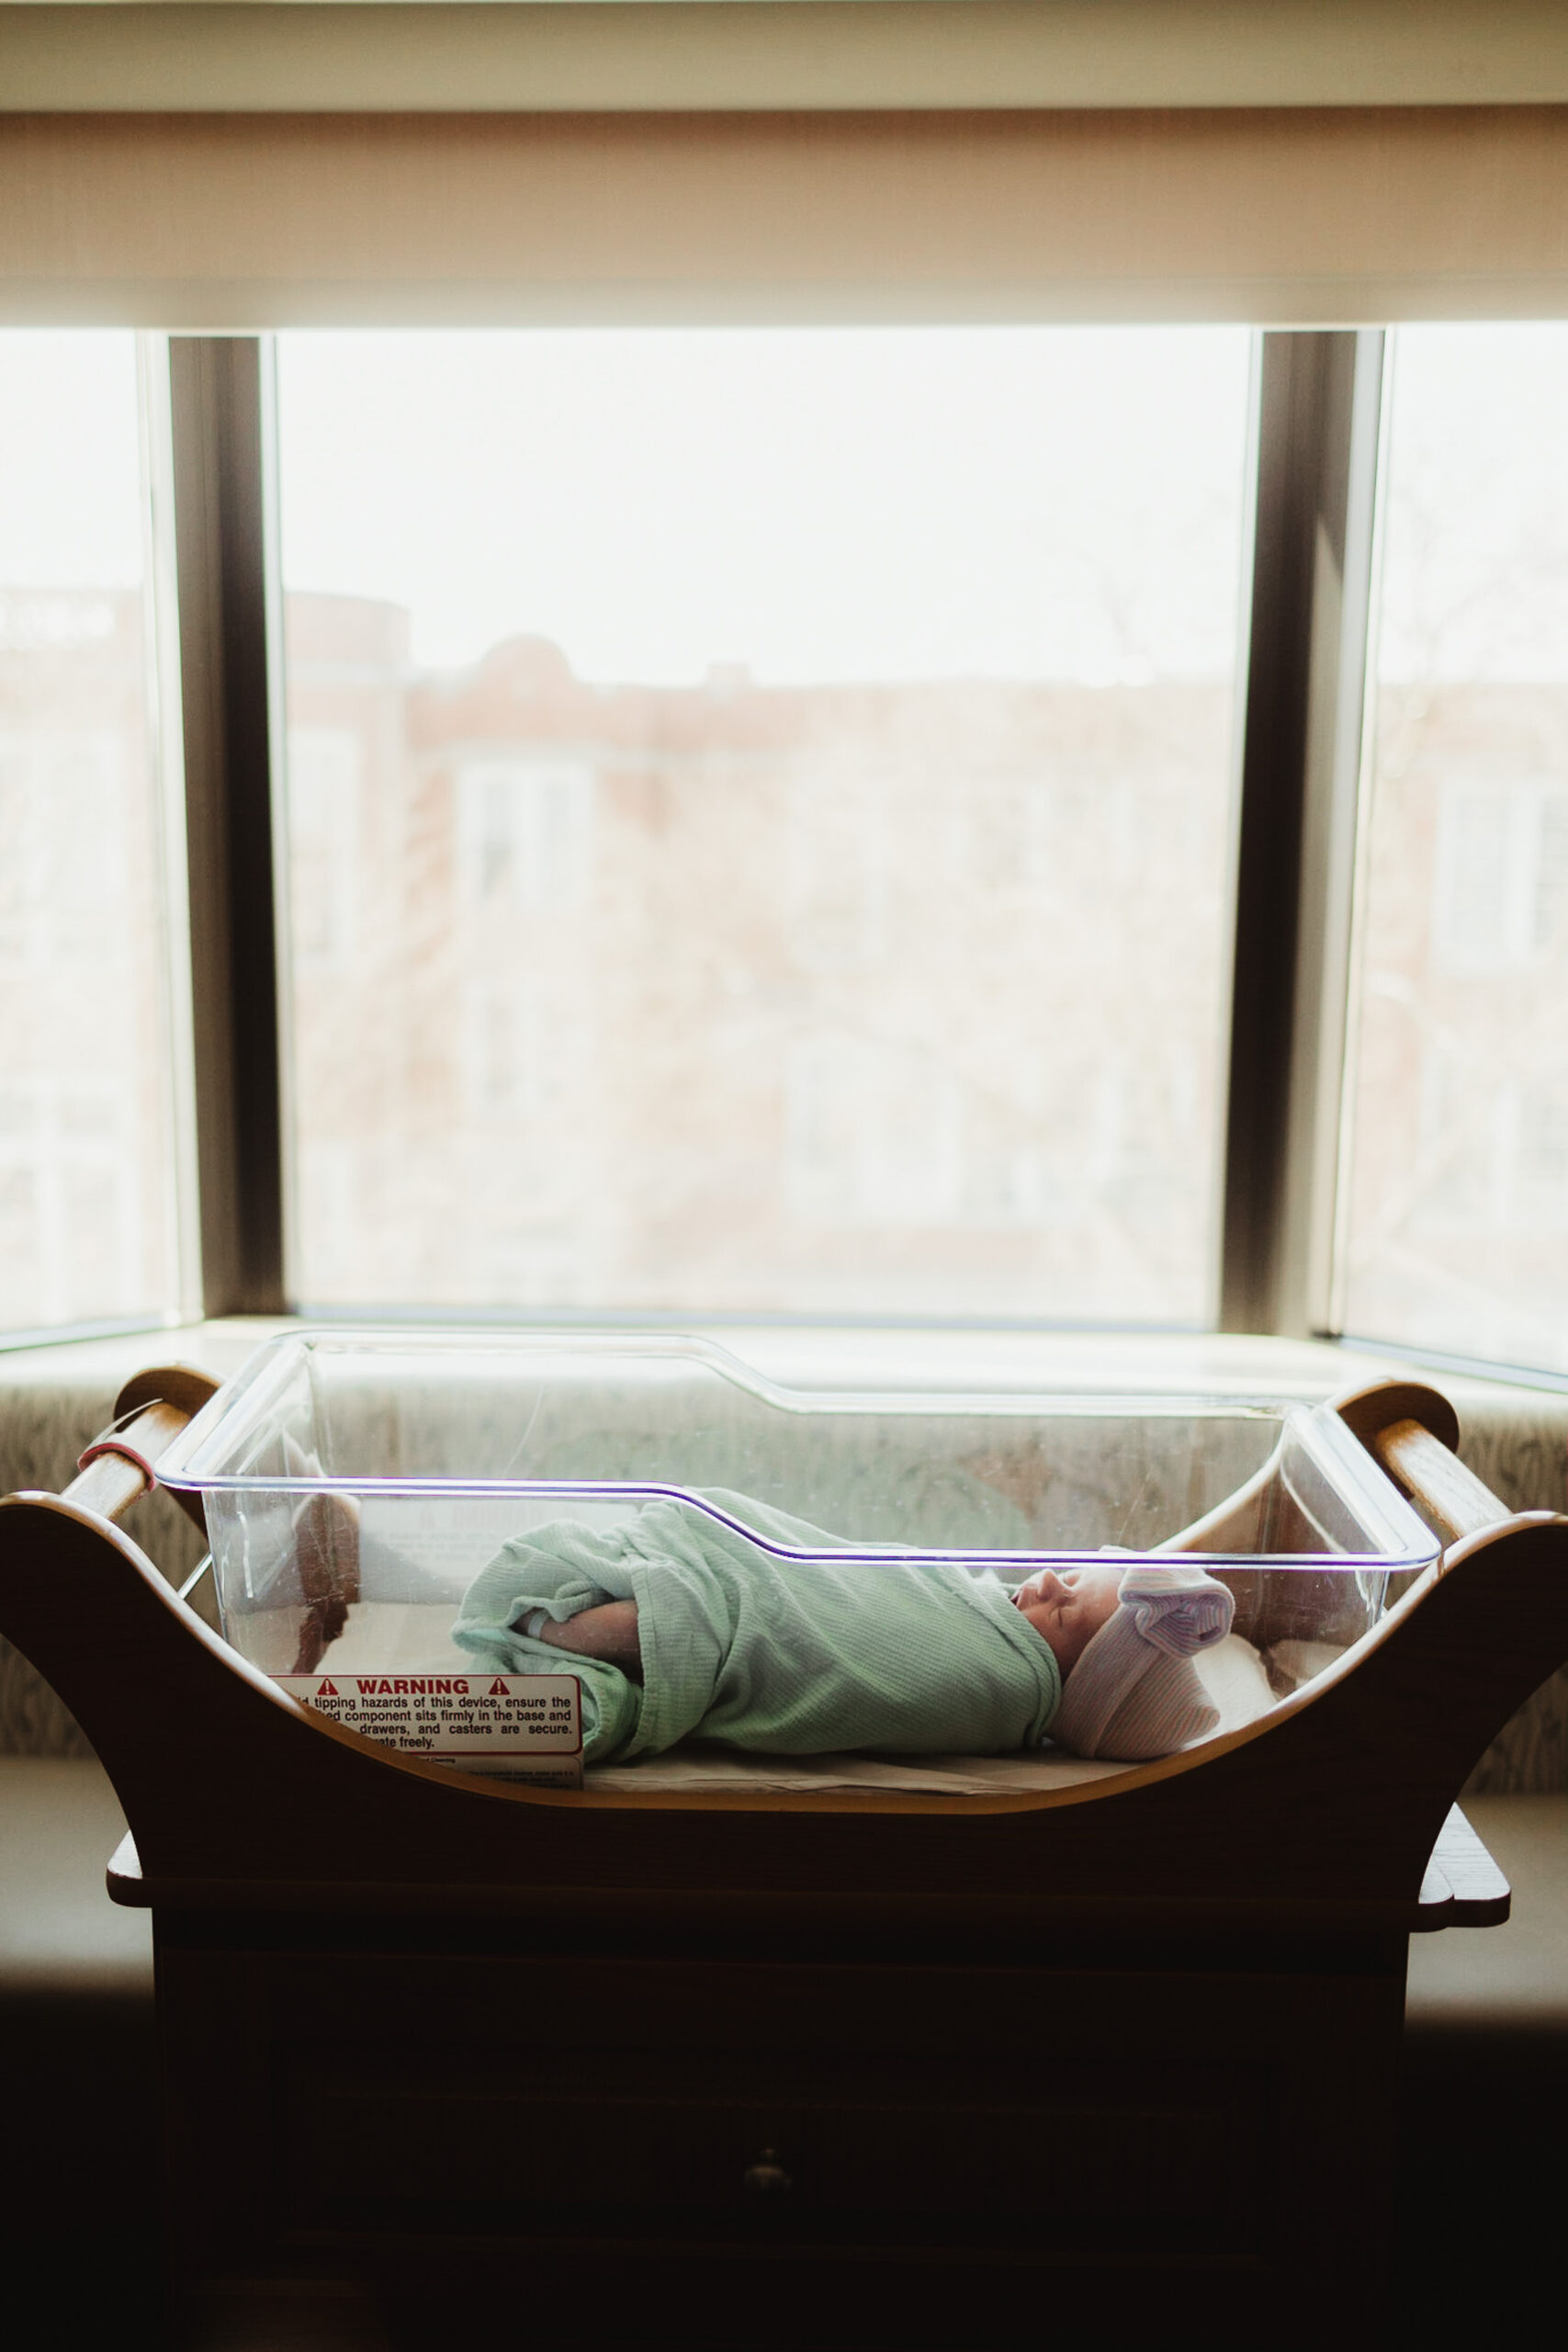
(211, 423)
(1306, 574)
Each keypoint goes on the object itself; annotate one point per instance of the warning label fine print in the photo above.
(527, 1726)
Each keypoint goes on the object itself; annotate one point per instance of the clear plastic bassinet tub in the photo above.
(355, 1484)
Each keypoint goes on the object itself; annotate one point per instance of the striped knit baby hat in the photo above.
(1134, 1693)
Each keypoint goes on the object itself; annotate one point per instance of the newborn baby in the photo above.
(682, 1624)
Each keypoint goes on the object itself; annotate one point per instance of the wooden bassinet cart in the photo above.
(862, 2069)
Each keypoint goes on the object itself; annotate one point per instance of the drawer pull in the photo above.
(767, 2177)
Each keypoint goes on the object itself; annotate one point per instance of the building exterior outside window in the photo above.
(793, 833)
(87, 1160)
(845, 941)
(1456, 1209)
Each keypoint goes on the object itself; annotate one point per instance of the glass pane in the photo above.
(86, 1168)
(759, 814)
(1457, 1224)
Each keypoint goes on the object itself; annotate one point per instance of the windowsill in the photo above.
(1515, 1436)
(865, 1356)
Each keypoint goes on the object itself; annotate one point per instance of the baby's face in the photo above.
(1067, 1607)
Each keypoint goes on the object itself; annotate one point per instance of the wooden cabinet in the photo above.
(876, 2153)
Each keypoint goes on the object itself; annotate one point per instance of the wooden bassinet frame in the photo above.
(1365, 1761)
(1266, 1880)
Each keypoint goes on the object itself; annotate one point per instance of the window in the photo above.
(1456, 1227)
(754, 819)
(794, 776)
(89, 1207)
(324, 790)
(1500, 863)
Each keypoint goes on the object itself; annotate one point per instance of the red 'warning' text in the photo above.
(528, 1727)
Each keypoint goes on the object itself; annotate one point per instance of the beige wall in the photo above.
(1296, 215)
(602, 54)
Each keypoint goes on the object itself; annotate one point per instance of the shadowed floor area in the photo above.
(82, 2207)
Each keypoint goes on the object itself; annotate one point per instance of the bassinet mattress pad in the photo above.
(403, 1637)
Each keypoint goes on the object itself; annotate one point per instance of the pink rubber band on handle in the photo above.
(127, 1453)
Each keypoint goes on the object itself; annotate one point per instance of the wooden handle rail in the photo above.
(1436, 1480)
(150, 1413)
(1411, 1430)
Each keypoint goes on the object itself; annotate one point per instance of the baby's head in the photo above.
(1067, 1607)
(1124, 1639)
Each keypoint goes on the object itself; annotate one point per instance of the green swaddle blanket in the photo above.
(786, 1657)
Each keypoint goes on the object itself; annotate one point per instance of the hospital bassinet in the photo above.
(759, 2056)
(354, 1485)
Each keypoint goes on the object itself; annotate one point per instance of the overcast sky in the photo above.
(1475, 567)
(816, 503)
(70, 461)
(826, 504)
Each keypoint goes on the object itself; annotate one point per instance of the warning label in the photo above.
(526, 1726)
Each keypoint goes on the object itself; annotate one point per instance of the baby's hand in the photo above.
(608, 1632)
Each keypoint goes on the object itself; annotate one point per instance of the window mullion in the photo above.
(217, 412)
(1318, 453)
(183, 1206)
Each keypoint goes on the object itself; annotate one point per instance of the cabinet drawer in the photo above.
(759, 2146)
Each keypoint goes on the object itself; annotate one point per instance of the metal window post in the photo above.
(1312, 574)
(217, 414)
